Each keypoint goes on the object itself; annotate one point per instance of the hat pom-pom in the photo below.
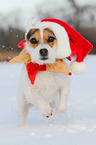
(78, 67)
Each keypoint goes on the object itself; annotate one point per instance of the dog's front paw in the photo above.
(46, 111)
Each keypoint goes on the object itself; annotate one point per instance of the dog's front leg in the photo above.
(64, 91)
(39, 102)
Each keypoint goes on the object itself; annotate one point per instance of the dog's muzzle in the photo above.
(43, 53)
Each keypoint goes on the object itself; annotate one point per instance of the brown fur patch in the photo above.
(47, 32)
(59, 65)
(34, 33)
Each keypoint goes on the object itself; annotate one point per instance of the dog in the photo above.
(41, 44)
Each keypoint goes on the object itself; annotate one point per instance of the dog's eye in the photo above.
(51, 39)
(33, 41)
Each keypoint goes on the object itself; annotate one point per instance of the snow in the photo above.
(76, 127)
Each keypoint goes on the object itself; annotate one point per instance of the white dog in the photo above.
(41, 44)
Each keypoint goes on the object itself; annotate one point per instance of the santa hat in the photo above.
(69, 43)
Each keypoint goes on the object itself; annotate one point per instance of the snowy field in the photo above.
(76, 127)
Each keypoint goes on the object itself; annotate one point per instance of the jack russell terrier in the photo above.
(41, 45)
(45, 42)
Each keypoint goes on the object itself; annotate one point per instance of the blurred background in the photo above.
(14, 16)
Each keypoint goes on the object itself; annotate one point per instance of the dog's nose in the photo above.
(43, 52)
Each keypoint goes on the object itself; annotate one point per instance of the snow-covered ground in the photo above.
(76, 127)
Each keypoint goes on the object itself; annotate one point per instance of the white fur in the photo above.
(78, 68)
(63, 49)
(34, 53)
(42, 93)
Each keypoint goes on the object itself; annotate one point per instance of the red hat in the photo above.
(69, 43)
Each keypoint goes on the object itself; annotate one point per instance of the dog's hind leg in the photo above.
(23, 107)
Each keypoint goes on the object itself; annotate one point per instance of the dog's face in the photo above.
(41, 45)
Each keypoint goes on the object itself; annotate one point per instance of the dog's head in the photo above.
(41, 45)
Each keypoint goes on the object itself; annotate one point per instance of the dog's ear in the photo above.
(23, 57)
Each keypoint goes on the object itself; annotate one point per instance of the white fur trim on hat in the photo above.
(78, 67)
(63, 47)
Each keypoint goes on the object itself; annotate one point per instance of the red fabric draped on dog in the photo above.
(22, 44)
(33, 69)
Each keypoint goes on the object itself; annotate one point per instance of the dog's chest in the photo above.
(46, 84)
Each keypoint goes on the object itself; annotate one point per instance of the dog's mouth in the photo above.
(44, 58)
